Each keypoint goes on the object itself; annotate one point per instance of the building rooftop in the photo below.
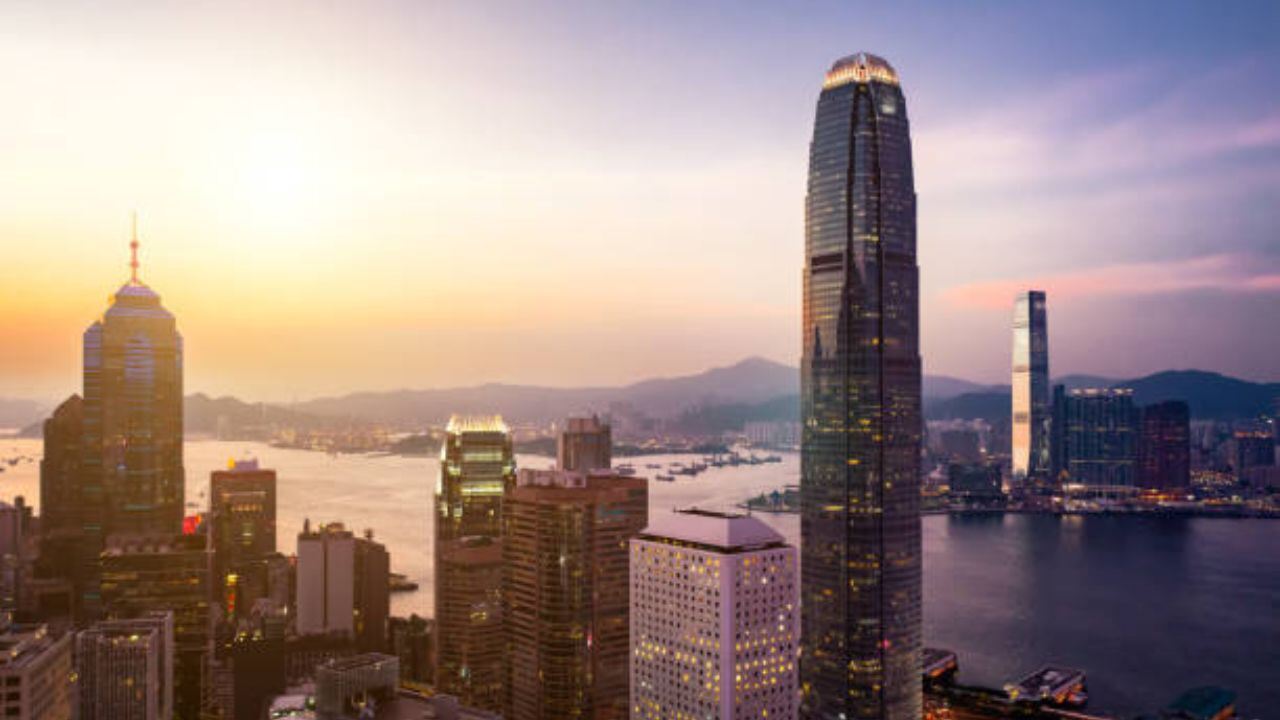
(1202, 703)
(726, 531)
(860, 67)
(477, 424)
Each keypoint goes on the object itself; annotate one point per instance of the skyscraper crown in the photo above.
(860, 67)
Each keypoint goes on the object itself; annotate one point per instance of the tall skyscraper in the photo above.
(1100, 437)
(713, 619)
(125, 668)
(477, 466)
(132, 468)
(1164, 449)
(60, 490)
(1031, 404)
(585, 445)
(860, 404)
(566, 593)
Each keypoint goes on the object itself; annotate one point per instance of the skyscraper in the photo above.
(586, 444)
(1100, 437)
(60, 490)
(860, 404)
(713, 619)
(242, 503)
(477, 466)
(1031, 405)
(343, 585)
(125, 668)
(1164, 449)
(566, 598)
(132, 469)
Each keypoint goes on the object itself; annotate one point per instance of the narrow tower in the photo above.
(1031, 405)
(860, 394)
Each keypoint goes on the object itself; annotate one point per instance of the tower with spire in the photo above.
(133, 471)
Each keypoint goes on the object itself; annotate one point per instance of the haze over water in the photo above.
(1147, 607)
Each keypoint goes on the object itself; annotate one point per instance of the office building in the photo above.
(477, 466)
(1164, 447)
(977, 485)
(60, 491)
(1252, 448)
(242, 503)
(1032, 409)
(125, 668)
(343, 585)
(132, 470)
(144, 574)
(1100, 437)
(714, 619)
(35, 673)
(413, 641)
(860, 404)
(566, 592)
(585, 445)
(345, 686)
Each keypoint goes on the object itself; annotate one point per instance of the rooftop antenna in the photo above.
(133, 249)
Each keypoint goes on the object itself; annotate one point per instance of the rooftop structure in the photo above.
(860, 67)
(728, 532)
(477, 424)
(1203, 703)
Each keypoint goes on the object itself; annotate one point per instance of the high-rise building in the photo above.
(1252, 448)
(60, 486)
(344, 686)
(343, 585)
(714, 619)
(585, 445)
(477, 466)
(146, 574)
(1031, 404)
(1164, 449)
(132, 465)
(566, 592)
(35, 672)
(125, 668)
(860, 404)
(242, 501)
(1100, 437)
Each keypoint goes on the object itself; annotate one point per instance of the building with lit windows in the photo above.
(477, 466)
(142, 575)
(586, 444)
(1032, 407)
(714, 619)
(125, 668)
(566, 592)
(343, 585)
(133, 477)
(860, 404)
(1100, 436)
(60, 483)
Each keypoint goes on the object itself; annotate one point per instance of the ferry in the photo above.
(665, 478)
(1051, 684)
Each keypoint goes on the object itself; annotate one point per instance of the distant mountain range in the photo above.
(720, 398)
(1210, 395)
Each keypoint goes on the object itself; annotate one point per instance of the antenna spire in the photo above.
(133, 249)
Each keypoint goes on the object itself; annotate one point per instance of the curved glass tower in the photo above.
(860, 390)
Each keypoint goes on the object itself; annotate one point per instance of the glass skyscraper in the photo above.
(1031, 404)
(860, 390)
(132, 470)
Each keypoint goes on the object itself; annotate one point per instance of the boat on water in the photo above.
(664, 478)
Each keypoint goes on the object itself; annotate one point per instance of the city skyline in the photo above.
(295, 207)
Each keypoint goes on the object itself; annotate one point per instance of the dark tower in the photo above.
(860, 390)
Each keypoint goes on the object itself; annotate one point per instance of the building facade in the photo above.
(344, 586)
(125, 668)
(714, 619)
(1032, 407)
(60, 484)
(133, 476)
(585, 445)
(477, 466)
(142, 575)
(242, 501)
(566, 592)
(35, 672)
(860, 404)
(1164, 449)
(1100, 437)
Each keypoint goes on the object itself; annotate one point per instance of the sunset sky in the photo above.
(339, 196)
